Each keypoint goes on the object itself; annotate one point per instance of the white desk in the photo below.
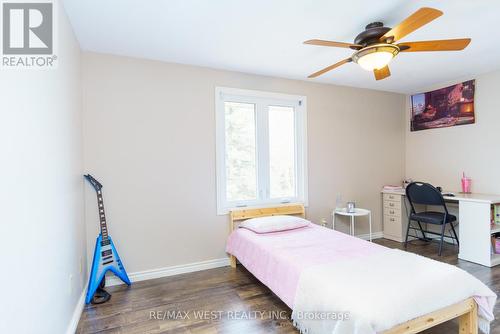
(474, 226)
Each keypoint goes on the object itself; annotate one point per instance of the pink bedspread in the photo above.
(277, 259)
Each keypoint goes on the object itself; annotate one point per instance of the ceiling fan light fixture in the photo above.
(375, 57)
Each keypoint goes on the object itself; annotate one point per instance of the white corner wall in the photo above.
(41, 194)
(439, 156)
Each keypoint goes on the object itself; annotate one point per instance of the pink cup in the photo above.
(466, 183)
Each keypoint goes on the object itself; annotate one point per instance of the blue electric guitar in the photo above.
(105, 255)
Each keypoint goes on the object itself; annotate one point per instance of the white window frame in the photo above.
(261, 100)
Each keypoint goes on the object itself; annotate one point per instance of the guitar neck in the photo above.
(102, 216)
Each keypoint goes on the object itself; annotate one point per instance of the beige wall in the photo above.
(149, 133)
(42, 226)
(440, 155)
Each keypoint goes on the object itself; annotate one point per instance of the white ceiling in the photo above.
(265, 36)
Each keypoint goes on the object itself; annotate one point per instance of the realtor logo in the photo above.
(28, 35)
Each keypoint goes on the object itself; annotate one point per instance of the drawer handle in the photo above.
(392, 211)
(392, 219)
(391, 204)
(391, 197)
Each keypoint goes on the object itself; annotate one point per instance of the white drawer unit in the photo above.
(395, 218)
(392, 197)
(396, 212)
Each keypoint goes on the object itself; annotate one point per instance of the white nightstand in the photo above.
(357, 213)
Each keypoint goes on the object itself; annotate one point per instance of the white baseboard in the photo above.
(77, 313)
(375, 235)
(169, 271)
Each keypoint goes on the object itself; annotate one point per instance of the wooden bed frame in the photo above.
(465, 311)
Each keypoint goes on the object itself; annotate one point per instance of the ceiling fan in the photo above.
(376, 46)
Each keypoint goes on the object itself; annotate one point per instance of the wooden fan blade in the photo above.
(333, 44)
(411, 23)
(329, 68)
(437, 45)
(382, 73)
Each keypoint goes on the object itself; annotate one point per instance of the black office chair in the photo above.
(424, 193)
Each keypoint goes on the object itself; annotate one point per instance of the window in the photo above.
(261, 148)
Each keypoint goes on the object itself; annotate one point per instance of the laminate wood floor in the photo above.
(158, 306)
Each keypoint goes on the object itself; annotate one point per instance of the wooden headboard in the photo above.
(237, 215)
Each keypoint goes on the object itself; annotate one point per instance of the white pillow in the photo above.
(274, 224)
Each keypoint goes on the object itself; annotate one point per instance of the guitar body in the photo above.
(106, 258)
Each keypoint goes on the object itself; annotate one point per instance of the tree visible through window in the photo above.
(241, 169)
(260, 148)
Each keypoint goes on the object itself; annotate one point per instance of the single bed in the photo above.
(278, 259)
